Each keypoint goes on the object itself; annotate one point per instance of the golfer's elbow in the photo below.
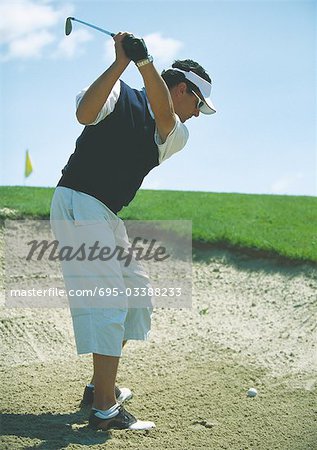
(84, 117)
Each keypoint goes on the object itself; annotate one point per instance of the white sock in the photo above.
(108, 413)
(90, 385)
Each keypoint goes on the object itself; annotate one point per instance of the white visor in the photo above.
(204, 87)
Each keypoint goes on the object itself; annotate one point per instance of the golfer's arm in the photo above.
(97, 94)
(160, 100)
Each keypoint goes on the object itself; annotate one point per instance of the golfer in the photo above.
(127, 133)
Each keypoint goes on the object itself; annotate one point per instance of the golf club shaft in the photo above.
(93, 26)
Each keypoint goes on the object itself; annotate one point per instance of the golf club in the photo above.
(69, 27)
(134, 47)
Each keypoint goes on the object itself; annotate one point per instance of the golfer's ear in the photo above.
(182, 88)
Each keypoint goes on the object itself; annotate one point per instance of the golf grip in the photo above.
(134, 48)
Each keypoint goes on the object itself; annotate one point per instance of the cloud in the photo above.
(69, 47)
(24, 17)
(286, 183)
(163, 49)
(31, 29)
(29, 46)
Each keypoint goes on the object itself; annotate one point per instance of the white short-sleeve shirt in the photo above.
(174, 142)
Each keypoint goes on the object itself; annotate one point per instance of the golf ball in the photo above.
(252, 392)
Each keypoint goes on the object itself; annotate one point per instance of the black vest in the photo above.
(112, 158)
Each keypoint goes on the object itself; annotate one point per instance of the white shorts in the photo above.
(100, 323)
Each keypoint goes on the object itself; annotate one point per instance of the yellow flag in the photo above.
(28, 165)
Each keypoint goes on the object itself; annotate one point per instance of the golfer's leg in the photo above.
(138, 320)
(93, 377)
(105, 373)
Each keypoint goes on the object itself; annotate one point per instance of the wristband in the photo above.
(145, 61)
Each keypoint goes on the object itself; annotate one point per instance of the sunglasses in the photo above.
(200, 102)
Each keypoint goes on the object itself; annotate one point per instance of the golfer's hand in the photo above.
(121, 57)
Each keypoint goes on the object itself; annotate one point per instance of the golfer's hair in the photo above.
(174, 77)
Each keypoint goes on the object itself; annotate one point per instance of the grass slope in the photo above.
(280, 225)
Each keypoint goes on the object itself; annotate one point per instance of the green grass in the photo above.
(274, 225)
(25, 201)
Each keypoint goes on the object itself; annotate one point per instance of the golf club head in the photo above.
(68, 25)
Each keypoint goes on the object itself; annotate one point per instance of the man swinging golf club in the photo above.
(127, 133)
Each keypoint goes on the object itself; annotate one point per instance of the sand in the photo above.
(253, 323)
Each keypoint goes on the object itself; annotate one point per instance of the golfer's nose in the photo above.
(196, 113)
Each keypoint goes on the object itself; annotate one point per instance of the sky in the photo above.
(261, 56)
